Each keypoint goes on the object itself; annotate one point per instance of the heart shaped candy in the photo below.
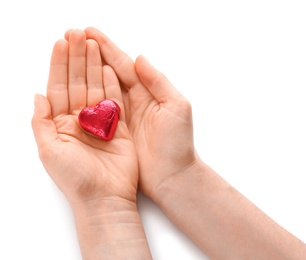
(100, 120)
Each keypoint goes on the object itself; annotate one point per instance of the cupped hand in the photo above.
(159, 117)
(84, 167)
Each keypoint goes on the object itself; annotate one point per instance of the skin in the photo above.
(98, 178)
(220, 220)
(156, 114)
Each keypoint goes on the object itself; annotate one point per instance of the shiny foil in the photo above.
(100, 120)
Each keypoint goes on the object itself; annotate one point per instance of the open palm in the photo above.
(158, 116)
(84, 167)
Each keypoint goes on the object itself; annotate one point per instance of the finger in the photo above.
(67, 34)
(43, 127)
(57, 90)
(112, 88)
(95, 91)
(116, 58)
(156, 83)
(77, 71)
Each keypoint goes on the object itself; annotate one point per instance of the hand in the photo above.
(159, 117)
(220, 220)
(99, 178)
(84, 167)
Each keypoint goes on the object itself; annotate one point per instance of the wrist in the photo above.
(110, 228)
(180, 182)
(188, 199)
(91, 208)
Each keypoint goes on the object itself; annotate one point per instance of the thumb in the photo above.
(42, 124)
(156, 82)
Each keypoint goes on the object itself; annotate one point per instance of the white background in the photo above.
(242, 65)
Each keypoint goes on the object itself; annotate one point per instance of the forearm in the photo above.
(221, 221)
(110, 229)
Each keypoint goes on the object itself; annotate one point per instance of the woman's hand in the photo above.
(84, 167)
(159, 117)
(99, 178)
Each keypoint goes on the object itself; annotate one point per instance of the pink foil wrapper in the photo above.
(100, 120)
